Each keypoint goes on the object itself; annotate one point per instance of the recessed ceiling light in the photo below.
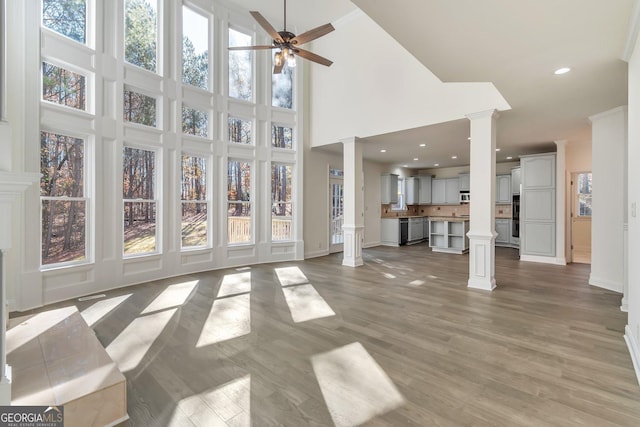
(509, 158)
(423, 145)
(437, 164)
(497, 149)
(383, 151)
(454, 157)
(562, 70)
(469, 138)
(415, 159)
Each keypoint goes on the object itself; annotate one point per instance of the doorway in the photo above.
(336, 207)
(581, 217)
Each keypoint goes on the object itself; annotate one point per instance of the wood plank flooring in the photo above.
(543, 349)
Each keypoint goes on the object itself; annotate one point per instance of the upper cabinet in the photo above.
(425, 190)
(503, 189)
(464, 182)
(412, 186)
(389, 189)
(445, 191)
(540, 171)
(515, 180)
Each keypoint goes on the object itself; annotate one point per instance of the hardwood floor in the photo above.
(409, 344)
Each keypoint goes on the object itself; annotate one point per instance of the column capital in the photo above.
(560, 143)
(349, 139)
(493, 114)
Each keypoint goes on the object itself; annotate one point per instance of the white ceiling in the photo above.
(516, 45)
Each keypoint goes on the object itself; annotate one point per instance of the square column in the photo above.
(482, 235)
(353, 226)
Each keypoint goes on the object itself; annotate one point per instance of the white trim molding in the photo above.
(482, 252)
(543, 259)
(632, 35)
(353, 238)
(634, 350)
(609, 285)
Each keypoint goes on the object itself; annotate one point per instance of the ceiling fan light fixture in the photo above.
(278, 59)
(291, 59)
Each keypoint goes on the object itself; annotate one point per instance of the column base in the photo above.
(624, 305)
(5, 387)
(352, 248)
(482, 257)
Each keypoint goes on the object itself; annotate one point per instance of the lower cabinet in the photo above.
(449, 235)
(504, 231)
(390, 232)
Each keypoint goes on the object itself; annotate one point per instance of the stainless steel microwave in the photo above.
(465, 197)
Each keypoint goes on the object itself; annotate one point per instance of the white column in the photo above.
(482, 235)
(353, 225)
(561, 191)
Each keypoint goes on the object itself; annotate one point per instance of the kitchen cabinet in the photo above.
(412, 189)
(515, 180)
(425, 190)
(390, 232)
(503, 189)
(464, 182)
(448, 235)
(389, 189)
(445, 191)
(503, 229)
(538, 206)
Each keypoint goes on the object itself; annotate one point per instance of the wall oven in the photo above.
(515, 216)
(465, 197)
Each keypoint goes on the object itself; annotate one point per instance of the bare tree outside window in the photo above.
(239, 131)
(195, 48)
(239, 202)
(240, 66)
(194, 202)
(140, 205)
(194, 122)
(64, 205)
(282, 208)
(63, 87)
(139, 108)
(281, 137)
(66, 17)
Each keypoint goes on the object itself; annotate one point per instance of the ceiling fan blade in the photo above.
(277, 69)
(251, 47)
(306, 37)
(312, 57)
(266, 26)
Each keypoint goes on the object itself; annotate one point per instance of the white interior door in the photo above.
(581, 217)
(336, 216)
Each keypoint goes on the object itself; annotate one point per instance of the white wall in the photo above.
(453, 172)
(609, 137)
(375, 86)
(632, 331)
(578, 159)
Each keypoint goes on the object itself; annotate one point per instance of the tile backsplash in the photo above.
(502, 211)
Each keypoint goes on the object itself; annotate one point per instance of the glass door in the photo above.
(336, 217)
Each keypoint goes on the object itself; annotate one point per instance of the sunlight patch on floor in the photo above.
(234, 284)
(35, 326)
(174, 296)
(355, 388)
(229, 318)
(289, 276)
(130, 347)
(389, 275)
(229, 403)
(305, 303)
(100, 309)
(417, 283)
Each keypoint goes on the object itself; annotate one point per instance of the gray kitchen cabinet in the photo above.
(425, 190)
(503, 189)
(503, 229)
(412, 188)
(389, 189)
(438, 192)
(515, 180)
(538, 206)
(464, 182)
(452, 191)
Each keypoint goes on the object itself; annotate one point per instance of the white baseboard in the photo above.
(609, 285)
(634, 350)
(371, 245)
(316, 254)
(543, 259)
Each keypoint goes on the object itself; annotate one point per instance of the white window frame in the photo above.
(247, 32)
(251, 203)
(400, 206)
(206, 201)
(159, 39)
(279, 202)
(211, 82)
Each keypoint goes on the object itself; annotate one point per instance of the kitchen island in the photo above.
(449, 234)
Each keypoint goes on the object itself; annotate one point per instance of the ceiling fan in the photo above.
(287, 43)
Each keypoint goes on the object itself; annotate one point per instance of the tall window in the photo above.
(66, 17)
(194, 122)
(141, 33)
(239, 131)
(239, 198)
(584, 194)
(139, 108)
(281, 137)
(195, 48)
(140, 205)
(282, 208)
(64, 205)
(282, 88)
(240, 66)
(63, 87)
(194, 202)
(400, 206)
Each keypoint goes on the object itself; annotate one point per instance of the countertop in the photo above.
(449, 218)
